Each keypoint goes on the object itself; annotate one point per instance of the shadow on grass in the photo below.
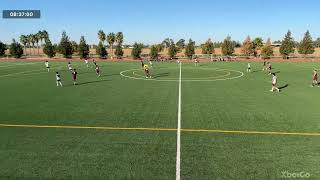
(106, 75)
(285, 86)
(88, 82)
(160, 75)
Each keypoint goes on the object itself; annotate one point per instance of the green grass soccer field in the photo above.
(124, 126)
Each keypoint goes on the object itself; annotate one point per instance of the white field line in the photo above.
(179, 131)
(175, 80)
(17, 64)
(29, 72)
(23, 72)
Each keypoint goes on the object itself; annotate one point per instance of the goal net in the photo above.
(207, 57)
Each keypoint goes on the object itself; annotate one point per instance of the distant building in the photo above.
(276, 44)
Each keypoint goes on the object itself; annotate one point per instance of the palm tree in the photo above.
(29, 40)
(101, 36)
(44, 35)
(119, 38)
(24, 41)
(40, 36)
(37, 39)
(111, 39)
(33, 41)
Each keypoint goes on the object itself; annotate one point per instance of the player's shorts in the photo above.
(249, 67)
(146, 71)
(274, 84)
(58, 80)
(48, 67)
(98, 71)
(315, 79)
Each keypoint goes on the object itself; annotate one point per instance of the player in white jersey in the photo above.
(274, 83)
(58, 79)
(249, 67)
(47, 66)
(196, 61)
(87, 62)
(69, 66)
(150, 62)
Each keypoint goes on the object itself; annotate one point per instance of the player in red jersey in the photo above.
(315, 79)
(74, 76)
(98, 70)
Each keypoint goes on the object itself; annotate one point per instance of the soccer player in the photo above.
(196, 61)
(94, 62)
(142, 64)
(274, 83)
(249, 67)
(87, 62)
(150, 62)
(74, 76)
(69, 66)
(146, 71)
(98, 71)
(47, 66)
(58, 79)
(315, 79)
(269, 68)
(264, 66)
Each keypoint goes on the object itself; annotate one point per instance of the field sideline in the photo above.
(122, 126)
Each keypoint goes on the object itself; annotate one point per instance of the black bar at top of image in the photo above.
(21, 14)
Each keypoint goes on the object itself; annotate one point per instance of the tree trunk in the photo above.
(111, 51)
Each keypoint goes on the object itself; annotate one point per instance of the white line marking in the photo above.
(23, 72)
(17, 64)
(33, 72)
(179, 131)
(186, 80)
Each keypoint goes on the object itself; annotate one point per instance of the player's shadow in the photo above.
(88, 82)
(255, 71)
(160, 75)
(106, 75)
(284, 86)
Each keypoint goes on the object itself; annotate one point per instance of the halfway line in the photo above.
(179, 130)
(162, 129)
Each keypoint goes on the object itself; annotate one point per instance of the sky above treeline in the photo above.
(150, 22)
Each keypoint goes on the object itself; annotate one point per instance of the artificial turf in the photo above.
(30, 96)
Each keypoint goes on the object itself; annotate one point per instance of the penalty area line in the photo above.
(163, 129)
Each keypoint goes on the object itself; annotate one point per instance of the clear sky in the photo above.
(151, 21)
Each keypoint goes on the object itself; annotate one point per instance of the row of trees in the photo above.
(288, 45)
(111, 38)
(32, 40)
(67, 48)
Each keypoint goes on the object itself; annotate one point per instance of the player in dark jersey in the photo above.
(142, 64)
(74, 76)
(264, 66)
(98, 70)
(315, 79)
(94, 62)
